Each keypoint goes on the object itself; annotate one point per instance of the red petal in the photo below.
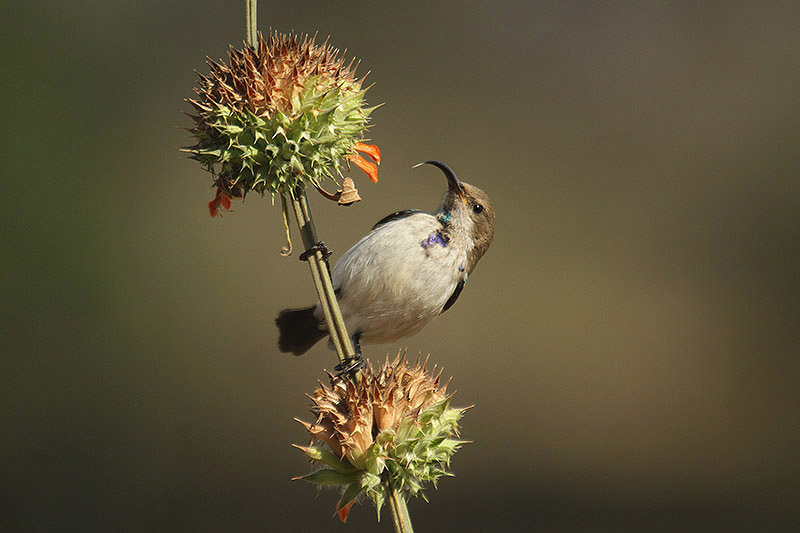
(213, 205)
(370, 149)
(370, 168)
(220, 199)
(225, 201)
(344, 512)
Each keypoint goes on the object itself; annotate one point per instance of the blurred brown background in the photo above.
(630, 340)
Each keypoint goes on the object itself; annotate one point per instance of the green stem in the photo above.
(327, 297)
(338, 332)
(251, 22)
(400, 517)
(321, 277)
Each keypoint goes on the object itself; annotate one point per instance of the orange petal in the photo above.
(370, 149)
(213, 205)
(370, 168)
(343, 512)
(220, 199)
(225, 201)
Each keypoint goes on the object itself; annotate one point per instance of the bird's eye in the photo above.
(478, 208)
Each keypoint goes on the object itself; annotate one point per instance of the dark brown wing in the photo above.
(396, 216)
(454, 296)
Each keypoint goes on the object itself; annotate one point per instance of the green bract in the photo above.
(280, 114)
(396, 425)
(278, 151)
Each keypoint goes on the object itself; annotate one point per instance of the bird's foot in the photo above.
(348, 366)
(319, 247)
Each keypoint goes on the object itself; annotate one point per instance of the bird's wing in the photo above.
(395, 216)
(453, 297)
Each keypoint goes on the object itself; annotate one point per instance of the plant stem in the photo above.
(322, 280)
(400, 517)
(251, 22)
(320, 274)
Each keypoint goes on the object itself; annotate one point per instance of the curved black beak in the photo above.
(453, 182)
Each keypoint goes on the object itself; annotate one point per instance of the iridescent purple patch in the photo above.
(433, 239)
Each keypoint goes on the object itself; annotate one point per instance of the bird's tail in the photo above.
(299, 330)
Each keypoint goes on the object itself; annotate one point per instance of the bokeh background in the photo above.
(630, 341)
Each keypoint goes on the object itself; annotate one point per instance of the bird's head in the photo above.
(468, 212)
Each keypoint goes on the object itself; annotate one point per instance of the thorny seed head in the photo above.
(278, 115)
(395, 422)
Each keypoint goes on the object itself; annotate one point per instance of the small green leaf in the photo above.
(324, 455)
(351, 493)
(327, 476)
(231, 129)
(374, 461)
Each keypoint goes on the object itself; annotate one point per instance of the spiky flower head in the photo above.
(395, 425)
(278, 115)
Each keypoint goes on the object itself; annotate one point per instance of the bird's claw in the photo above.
(348, 366)
(319, 247)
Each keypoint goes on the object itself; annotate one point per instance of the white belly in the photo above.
(391, 285)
